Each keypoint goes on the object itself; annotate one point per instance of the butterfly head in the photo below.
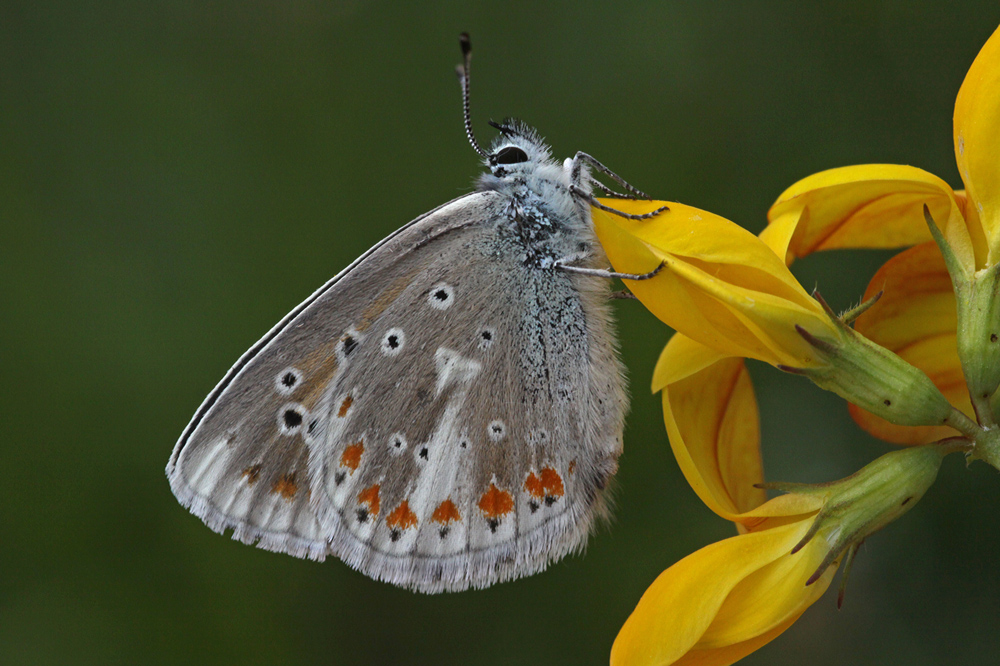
(518, 151)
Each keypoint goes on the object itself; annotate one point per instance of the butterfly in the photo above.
(447, 411)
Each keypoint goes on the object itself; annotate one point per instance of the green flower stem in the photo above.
(964, 425)
(984, 411)
(987, 447)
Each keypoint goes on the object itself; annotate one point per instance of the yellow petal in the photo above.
(870, 205)
(780, 231)
(713, 427)
(720, 285)
(730, 654)
(977, 136)
(794, 505)
(781, 585)
(680, 358)
(721, 592)
(915, 318)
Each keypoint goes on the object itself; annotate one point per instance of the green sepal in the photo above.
(977, 300)
(874, 378)
(880, 493)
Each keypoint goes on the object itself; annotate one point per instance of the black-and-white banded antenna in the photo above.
(463, 77)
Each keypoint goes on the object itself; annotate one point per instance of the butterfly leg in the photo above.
(581, 157)
(610, 192)
(624, 295)
(600, 272)
(614, 211)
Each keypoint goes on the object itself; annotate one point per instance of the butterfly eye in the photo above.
(510, 155)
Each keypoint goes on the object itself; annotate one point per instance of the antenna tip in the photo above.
(465, 43)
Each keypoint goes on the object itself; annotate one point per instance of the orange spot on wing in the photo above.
(534, 485)
(251, 474)
(495, 502)
(285, 486)
(552, 482)
(369, 496)
(572, 466)
(446, 512)
(351, 457)
(546, 483)
(401, 517)
(344, 406)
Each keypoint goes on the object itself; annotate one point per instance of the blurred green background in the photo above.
(174, 177)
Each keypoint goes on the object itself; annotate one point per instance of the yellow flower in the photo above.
(732, 597)
(730, 295)
(720, 284)
(729, 598)
(879, 205)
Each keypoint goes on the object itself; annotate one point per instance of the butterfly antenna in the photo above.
(463, 78)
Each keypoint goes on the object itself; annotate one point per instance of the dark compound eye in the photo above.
(510, 155)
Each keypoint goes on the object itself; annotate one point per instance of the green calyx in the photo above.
(977, 301)
(874, 378)
(860, 505)
(979, 336)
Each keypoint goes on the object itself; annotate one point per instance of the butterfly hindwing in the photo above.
(473, 430)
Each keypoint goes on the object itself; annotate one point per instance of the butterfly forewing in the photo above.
(243, 461)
